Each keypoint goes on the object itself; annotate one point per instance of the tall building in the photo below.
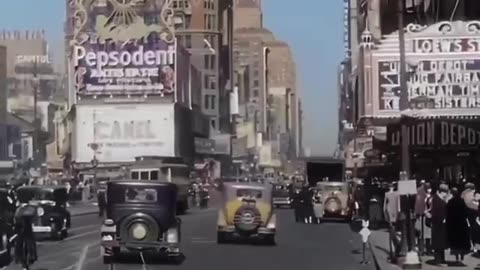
(266, 83)
(202, 27)
(29, 60)
(3, 84)
(248, 14)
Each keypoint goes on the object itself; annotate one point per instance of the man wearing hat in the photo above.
(468, 195)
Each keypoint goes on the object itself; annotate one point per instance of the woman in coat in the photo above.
(439, 231)
(458, 235)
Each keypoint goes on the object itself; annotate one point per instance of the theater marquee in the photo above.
(443, 65)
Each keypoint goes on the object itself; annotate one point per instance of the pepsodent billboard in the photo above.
(123, 47)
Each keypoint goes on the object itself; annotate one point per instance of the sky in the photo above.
(313, 28)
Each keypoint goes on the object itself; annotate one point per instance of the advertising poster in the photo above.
(123, 47)
(123, 132)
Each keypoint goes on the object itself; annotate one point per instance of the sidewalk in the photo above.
(379, 245)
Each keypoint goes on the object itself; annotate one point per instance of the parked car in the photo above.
(141, 217)
(52, 219)
(247, 212)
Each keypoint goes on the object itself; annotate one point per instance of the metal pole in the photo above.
(412, 260)
(35, 112)
(403, 91)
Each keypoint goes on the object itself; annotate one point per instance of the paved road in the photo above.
(330, 246)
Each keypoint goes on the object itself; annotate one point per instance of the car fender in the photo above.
(221, 220)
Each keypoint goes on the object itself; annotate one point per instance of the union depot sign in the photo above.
(443, 65)
(437, 134)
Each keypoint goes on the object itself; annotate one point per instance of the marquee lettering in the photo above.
(438, 134)
(450, 83)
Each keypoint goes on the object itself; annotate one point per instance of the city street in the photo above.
(299, 246)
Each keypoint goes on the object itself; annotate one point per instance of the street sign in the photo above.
(94, 162)
(365, 231)
(93, 146)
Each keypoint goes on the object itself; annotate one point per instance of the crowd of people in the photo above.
(446, 218)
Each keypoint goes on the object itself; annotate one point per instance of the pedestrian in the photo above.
(318, 207)
(427, 229)
(391, 210)
(307, 198)
(420, 200)
(102, 202)
(439, 231)
(458, 235)
(297, 205)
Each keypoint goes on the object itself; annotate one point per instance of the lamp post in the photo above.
(35, 85)
(412, 260)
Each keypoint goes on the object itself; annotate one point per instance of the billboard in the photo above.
(124, 47)
(123, 132)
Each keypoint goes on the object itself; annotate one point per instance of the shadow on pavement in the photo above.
(150, 258)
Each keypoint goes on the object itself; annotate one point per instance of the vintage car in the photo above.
(141, 218)
(7, 212)
(335, 199)
(281, 196)
(52, 218)
(247, 212)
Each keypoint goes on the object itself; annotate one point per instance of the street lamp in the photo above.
(412, 260)
(35, 85)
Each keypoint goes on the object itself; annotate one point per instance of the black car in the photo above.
(7, 212)
(52, 219)
(282, 197)
(141, 218)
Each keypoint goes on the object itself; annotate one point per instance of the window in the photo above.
(213, 123)
(140, 195)
(209, 102)
(144, 175)
(205, 4)
(209, 62)
(212, 101)
(256, 83)
(256, 73)
(187, 3)
(154, 175)
(188, 41)
(205, 19)
(135, 175)
(206, 61)
(175, 4)
(206, 81)
(206, 100)
(187, 21)
(255, 93)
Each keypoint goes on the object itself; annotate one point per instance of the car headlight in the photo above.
(40, 211)
(172, 236)
(139, 231)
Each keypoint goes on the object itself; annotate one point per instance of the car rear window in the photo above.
(140, 195)
(249, 193)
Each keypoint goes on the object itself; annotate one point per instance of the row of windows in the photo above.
(210, 102)
(209, 22)
(209, 4)
(186, 41)
(181, 4)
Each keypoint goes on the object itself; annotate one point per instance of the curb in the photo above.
(374, 255)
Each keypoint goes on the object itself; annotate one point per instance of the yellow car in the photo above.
(247, 212)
